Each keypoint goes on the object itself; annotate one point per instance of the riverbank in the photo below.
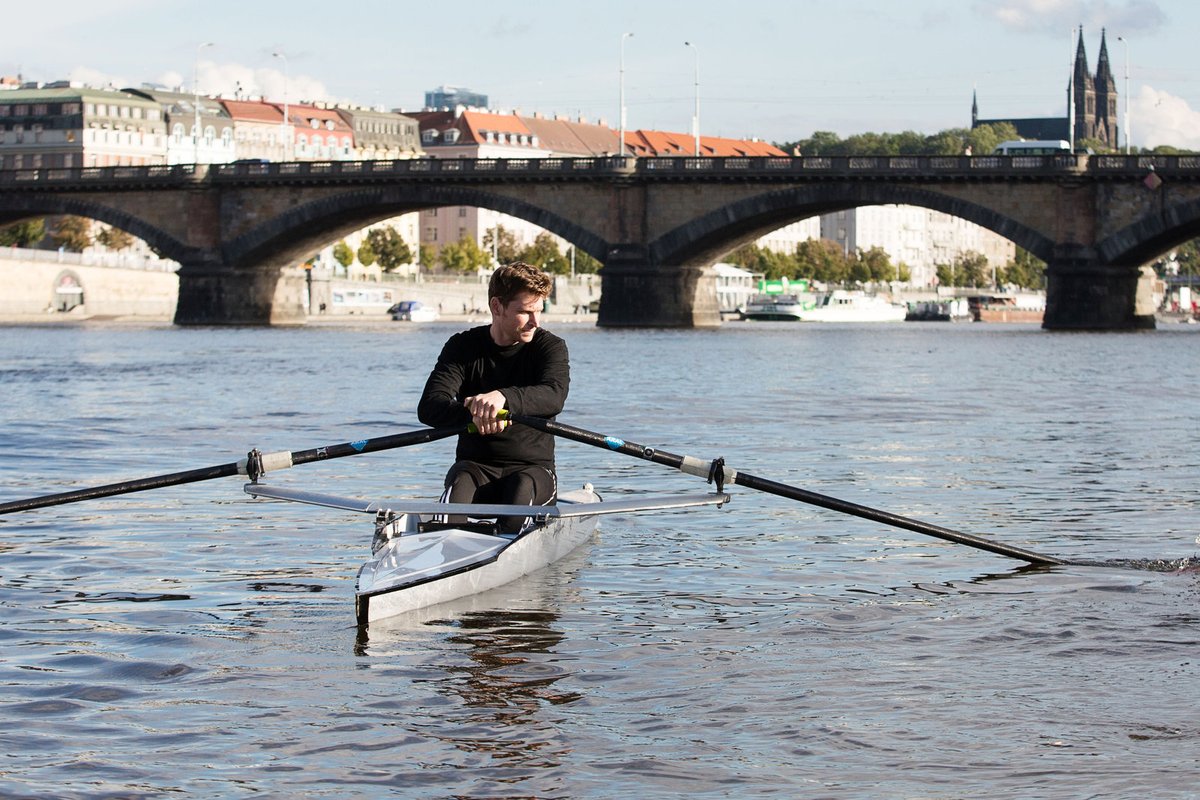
(53, 318)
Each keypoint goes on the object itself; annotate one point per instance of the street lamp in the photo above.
(196, 102)
(624, 36)
(696, 117)
(287, 138)
(1125, 42)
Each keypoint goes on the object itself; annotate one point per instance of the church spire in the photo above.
(1104, 74)
(1081, 66)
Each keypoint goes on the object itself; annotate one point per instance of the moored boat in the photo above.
(854, 306)
(418, 559)
(779, 307)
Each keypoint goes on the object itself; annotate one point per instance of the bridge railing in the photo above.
(666, 168)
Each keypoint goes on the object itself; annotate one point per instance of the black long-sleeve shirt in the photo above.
(533, 377)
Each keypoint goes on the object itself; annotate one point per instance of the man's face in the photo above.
(517, 320)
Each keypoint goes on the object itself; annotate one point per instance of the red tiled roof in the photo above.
(664, 143)
(253, 111)
(573, 138)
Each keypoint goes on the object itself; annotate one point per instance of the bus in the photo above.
(1035, 147)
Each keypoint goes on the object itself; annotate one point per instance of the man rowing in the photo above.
(512, 364)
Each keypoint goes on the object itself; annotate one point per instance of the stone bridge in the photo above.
(241, 230)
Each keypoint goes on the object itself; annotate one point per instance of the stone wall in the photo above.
(40, 285)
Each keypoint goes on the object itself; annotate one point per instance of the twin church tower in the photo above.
(1094, 106)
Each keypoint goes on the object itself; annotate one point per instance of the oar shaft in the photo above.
(267, 462)
(695, 466)
(888, 518)
(124, 487)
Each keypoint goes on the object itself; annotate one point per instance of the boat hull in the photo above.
(377, 599)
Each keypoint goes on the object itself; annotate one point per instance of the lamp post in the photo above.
(196, 102)
(287, 136)
(624, 36)
(1125, 42)
(696, 116)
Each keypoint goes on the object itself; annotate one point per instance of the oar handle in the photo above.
(716, 471)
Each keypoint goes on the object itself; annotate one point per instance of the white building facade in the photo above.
(916, 237)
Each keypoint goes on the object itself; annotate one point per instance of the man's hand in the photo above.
(485, 409)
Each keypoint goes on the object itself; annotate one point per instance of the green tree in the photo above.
(343, 254)
(984, 139)
(427, 255)
(464, 256)
(874, 265)
(23, 234)
(1025, 270)
(72, 233)
(115, 238)
(390, 247)
(366, 253)
(584, 263)
(968, 269)
(822, 260)
(544, 254)
(504, 243)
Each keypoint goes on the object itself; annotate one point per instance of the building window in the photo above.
(462, 211)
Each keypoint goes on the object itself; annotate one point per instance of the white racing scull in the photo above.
(417, 560)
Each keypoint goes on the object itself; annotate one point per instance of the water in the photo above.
(191, 640)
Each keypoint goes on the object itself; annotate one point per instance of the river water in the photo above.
(192, 641)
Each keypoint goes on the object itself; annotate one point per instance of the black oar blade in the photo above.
(715, 470)
(255, 465)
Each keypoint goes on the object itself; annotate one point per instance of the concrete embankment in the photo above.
(59, 287)
(49, 287)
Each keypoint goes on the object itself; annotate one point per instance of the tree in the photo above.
(544, 254)
(366, 254)
(874, 265)
(1024, 270)
(23, 234)
(390, 247)
(506, 247)
(464, 256)
(72, 233)
(584, 263)
(115, 238)
(426, 255)
(822, 260)
(968, 269)
(343, 254)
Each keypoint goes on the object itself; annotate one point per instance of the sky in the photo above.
(772, 69)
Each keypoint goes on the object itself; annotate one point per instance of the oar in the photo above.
(254, 465)
(717, 471)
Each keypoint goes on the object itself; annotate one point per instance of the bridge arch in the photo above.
(706, 238)
(1152, 235)
(13, 208)
(298, 231)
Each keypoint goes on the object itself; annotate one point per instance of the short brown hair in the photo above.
(510, 280)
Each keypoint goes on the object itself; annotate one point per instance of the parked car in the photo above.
(413, 311)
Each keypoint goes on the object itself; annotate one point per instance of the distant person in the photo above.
(514, 364)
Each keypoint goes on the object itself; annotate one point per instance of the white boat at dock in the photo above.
(779, 307)
(842, 305)
(418, 559)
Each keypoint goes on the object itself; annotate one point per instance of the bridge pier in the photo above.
(1084, 295)
(226, 295)
(638, 294)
